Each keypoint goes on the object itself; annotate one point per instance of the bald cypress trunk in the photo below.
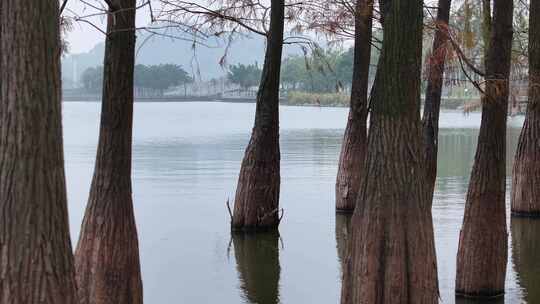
(432, 106)
(391, 258)
(353, 149)
(107, 255)
(482, 253)
(526, 172)
(257, 262)
(256, 205)
(37, 259)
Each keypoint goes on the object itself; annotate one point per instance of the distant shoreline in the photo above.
(447, 104)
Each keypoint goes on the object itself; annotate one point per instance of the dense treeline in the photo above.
(151, 80)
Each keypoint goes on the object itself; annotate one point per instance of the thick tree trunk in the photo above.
(37, 258)
(391, 258)
(353, 149)
(107, 255)
(482, 253)
(257, 262)
(525, 248)
(256, 205)
(526, 175)
(432, 106)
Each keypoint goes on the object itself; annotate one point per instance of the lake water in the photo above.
(185, 166)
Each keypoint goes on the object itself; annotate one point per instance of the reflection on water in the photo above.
(499, 300)
(185, 165)
(526, 256)
(257, 262)
(343, 230)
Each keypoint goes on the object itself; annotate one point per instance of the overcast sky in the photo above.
(84, 36)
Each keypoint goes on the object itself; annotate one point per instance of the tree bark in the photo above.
(107, 255)
(526, 171)
(37, 258)
(482, 252)
(525, 248)
(257, 262)
(391, 258)
(353, 149)
(432, 106)
(256, 204)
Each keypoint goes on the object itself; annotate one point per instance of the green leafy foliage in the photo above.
(157, 78)
(246, 76)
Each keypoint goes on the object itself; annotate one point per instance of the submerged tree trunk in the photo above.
(482, 253)
(107, 255)
(432, 106)
(526, 175)
(257, 262)
(37, 258)
(353, 149)
(391, 258)
(256, 205)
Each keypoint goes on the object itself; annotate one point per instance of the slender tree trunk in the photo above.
(37, 258)
(432, 106)
(353, 149)
(486, 27)
(525, 248)
(107, 255)
(257, 195)
(482, 253)
(526, 175)
(257, 262)
(391, 258)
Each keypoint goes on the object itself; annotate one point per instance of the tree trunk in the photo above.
(107, 255)
(432, 106)
(482, 253)
(353, 149)
(526, 175)
(257, 262)
(391, 258)
(257, 195)
(37, 258)
(525, 248)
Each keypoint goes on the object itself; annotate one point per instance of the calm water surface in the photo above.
(185, 165)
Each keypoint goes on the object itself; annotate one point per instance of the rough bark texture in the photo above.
(107, 255)
(257, 260)
(256, 205)
(36, 264)
(391, 258)
(482, 253)
(526, 171)
(432, 106)
(525, 248)
(353, 149)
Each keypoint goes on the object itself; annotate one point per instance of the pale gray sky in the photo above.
(84, 36)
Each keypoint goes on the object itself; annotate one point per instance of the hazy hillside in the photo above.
(159, 49)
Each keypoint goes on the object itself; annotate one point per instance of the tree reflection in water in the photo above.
(257, 262)
(525, 255)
